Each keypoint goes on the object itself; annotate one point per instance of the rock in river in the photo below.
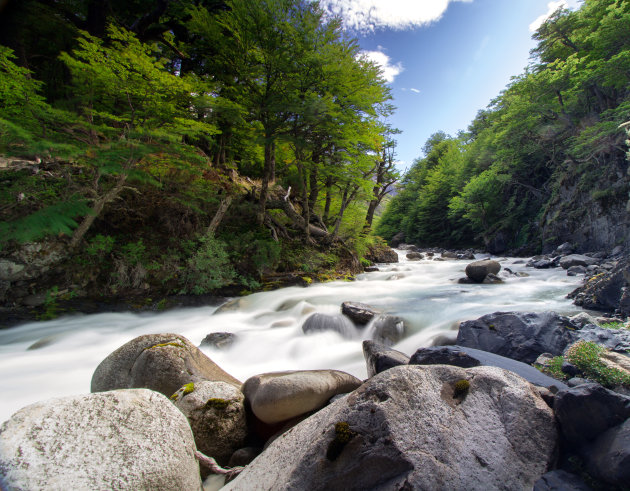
(161, 362)
(517, 335)
(416, 427)
(478, 270)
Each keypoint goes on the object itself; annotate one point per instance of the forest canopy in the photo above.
(546, 150)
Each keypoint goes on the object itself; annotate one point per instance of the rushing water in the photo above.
(64, 352)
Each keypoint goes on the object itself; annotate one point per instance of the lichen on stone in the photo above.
(177, 344)
(343, 434)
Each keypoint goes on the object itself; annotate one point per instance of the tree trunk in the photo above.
(269, 177)
(99, 204)
(369, 217)
(328, 199)
(218, 216)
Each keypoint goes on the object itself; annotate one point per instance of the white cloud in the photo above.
(367, 15)
(389, 70)
(551, 8)
(415, 90)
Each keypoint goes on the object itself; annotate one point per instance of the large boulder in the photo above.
(216, 413)
(518, 335)
(478, 270)
(464, 357)
(359, 313)
(324, 322)
(586, 411)
(126, 439)
(280, 396)
(414, 256)
(382, 255)
(379, 357)
(161, 362)
(414, 427)
(604, 291)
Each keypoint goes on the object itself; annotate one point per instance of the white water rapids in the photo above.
(268, 325)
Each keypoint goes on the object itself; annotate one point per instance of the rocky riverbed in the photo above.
(510, 402)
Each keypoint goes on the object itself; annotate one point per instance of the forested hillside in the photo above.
(181, 147)
(546, 162)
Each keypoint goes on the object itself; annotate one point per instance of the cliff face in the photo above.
(589, 206)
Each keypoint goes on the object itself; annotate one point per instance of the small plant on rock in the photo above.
(586, 356)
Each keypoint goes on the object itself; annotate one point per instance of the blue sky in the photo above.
(444, 59)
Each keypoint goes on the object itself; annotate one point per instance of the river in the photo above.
(64, 352)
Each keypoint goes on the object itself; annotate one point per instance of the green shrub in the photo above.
(100, 245)
(209, 268)
(586, 356)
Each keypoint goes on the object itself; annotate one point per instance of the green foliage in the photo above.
(461, 388)
(613, 325)
(100, 245)
(586, 356)
(209, 268)
(51, 220)
(556, 122)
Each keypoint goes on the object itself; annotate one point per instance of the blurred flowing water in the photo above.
(64, 352)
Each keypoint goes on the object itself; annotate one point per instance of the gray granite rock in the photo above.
(408, 428)
(124, 439)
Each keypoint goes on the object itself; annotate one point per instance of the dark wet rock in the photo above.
(478, 270)
(380, 358)
(443, 355)
(570, 370)
(560, 480)
(383, 255)
(577, 260)
(614, 339)
(518, 335)
(577, 381)
(586, 411)
(406, 428)
(388, 329)
(219, 340)
(244, 456)
(564, 249)
(415, 256)
(371, 269)
(449, 255)
(542, 264)
(524, 370)
(608, 457)
(359, 313)
(397, 239)
(324, 322)
(576, 270)
(161, 362)
(492, 279)
(604, 291)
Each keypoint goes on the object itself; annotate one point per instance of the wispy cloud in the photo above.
(551, 8)
(389, 70)
(415, 90)
(368, 15)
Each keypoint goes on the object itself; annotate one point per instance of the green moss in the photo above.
(613, 325)
(343, 435)
(219, 404)
(177, 344)
(461, 388)
(307, 280)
